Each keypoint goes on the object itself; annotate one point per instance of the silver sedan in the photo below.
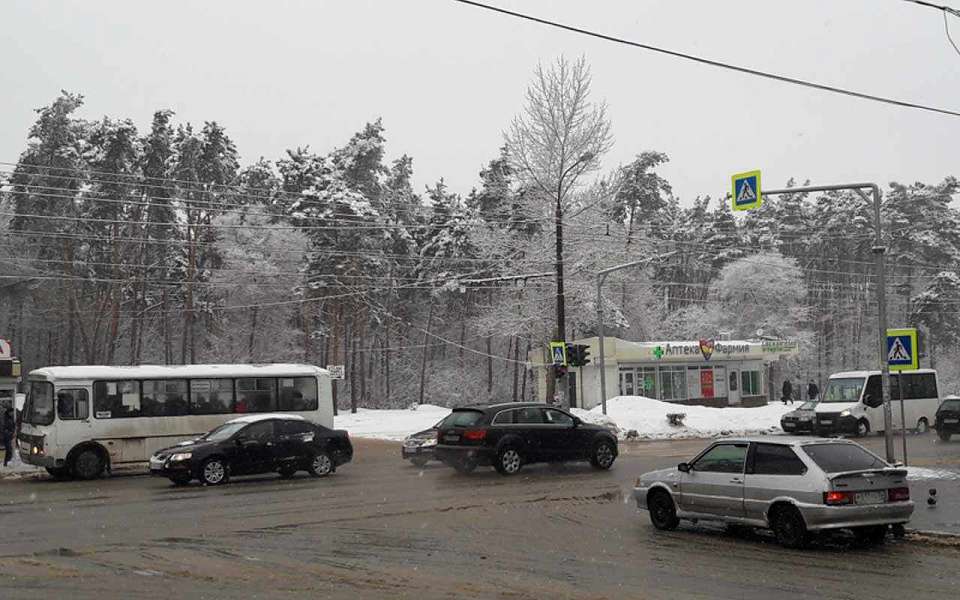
(794, 487)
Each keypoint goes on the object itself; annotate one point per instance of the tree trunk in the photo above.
(516, 364)
(353, 374)
(489, 366)
(253, 333)
(423, 360)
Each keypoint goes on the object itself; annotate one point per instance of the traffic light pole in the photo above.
(601, 360)
(878, 250)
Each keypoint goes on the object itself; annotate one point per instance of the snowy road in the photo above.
(380, 528)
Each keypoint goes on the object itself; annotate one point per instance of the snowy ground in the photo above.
(924, 474)
(648, 417)
(389, 424)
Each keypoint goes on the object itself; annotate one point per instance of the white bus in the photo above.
(83, 420)
(852, 402)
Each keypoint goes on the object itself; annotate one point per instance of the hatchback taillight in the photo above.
(901, 494)
(837, 498)
(474, 435)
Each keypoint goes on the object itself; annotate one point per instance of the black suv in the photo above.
(255, 444)
(948, 418)
(510, 435)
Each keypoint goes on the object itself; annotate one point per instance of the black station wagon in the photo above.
(255, 444)
(507, 436)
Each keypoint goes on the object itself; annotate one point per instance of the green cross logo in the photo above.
(658, 352)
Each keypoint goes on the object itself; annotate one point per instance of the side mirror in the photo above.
(684, 467)
(577, 422)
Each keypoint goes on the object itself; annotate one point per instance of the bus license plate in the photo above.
(878, 497)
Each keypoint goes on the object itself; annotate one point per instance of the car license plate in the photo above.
(878, 497)
(451, 438)
(788, 425)
(826, 422)
(951, 420)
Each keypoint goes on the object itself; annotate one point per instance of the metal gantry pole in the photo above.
(879, 250)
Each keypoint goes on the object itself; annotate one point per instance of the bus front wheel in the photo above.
(88, 464)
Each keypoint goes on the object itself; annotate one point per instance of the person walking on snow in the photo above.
(7, 427)
(813, 392)
(787, 392)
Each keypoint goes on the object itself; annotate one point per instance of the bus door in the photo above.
(73, 413)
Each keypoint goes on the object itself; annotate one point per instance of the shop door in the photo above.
(733, 386)
(626, 383)
(572, 389)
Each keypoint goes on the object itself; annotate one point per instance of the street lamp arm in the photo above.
(601, 277)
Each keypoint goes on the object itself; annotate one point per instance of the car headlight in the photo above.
(845, 413)
(430, 442)
(411, 443)
(181, 456)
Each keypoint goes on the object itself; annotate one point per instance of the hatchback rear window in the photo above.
(463, 418)
(836, 458)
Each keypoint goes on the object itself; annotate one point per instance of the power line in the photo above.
(946, 23)
(713, 63)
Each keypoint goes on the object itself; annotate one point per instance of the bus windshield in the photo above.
(38, 408)
(843, 390)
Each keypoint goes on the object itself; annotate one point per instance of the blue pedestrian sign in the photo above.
(902, 351)
(558, 353)
(746, 190)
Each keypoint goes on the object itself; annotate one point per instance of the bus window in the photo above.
(73, 405)
(116, 399)
(164, 398)
(256, 395)
(298, 393)
(843, 390)
(211, 396)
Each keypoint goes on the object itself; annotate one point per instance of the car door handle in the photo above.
(736, 480)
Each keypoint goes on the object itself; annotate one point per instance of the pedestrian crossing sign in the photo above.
(558, 353)
(902, 351)
(746, 191)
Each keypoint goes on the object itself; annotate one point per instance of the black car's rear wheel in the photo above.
(321, 464)
(509, 461)
(603, 455)
(213, 471)
(944, 435)
(663, 512)
(873, 535)
(789, 528)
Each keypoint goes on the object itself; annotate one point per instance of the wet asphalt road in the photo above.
(380, 528)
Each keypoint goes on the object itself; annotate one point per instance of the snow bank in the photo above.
(17, 468)
(920, 473)
(389, 424)
(648, 417)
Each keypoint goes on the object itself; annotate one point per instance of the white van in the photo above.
(852, 402)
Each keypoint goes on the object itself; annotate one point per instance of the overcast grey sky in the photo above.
(447, 78)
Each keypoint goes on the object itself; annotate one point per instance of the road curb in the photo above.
(934, 538)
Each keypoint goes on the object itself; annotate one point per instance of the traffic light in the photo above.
(577, 355)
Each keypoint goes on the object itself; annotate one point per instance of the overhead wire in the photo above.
(711, 62)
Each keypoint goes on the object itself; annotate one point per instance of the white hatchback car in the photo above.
(791, 486)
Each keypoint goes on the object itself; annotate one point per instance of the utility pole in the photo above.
(558, 218)
(878, 250)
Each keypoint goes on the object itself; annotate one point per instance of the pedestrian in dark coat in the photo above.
(787, 393)
(8, 426)
(813, 392)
